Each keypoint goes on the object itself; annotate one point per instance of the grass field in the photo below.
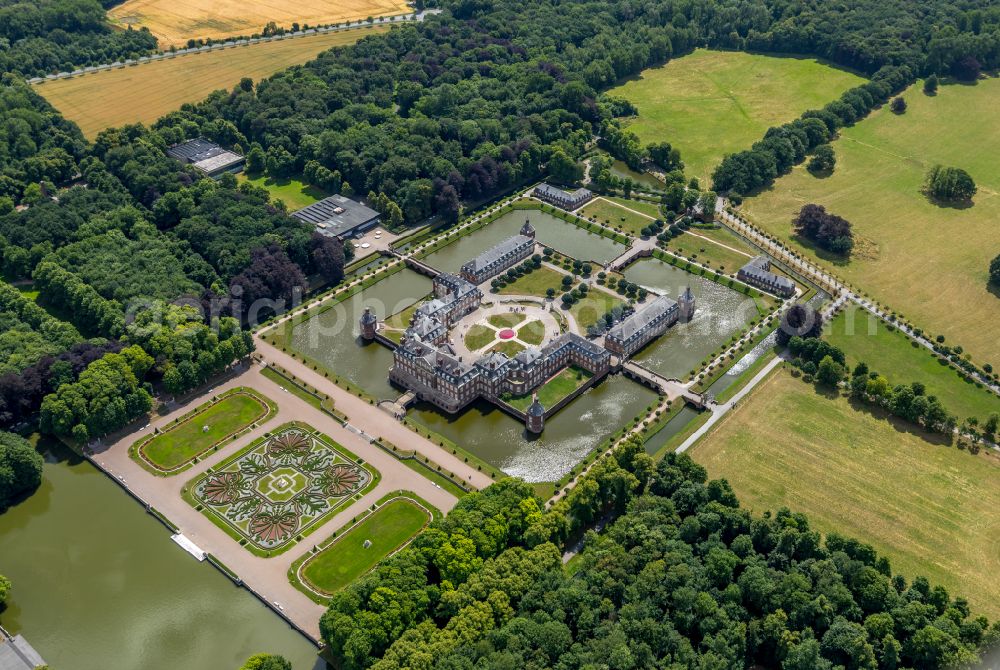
(143, 93)
(894, 355)
(713, 103)
(592, 307)
(616, 215)
(478, 337)
(293, 192)
(715, 254)
(555, 389)
(930, 508)
(510, 348)
(181, 442)
(175, 22)
(650, 209)
(536, 283)
(928, 263)
(532, 332)
(507, 320)
(388, 528)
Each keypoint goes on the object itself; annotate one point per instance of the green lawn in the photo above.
(388, 528)
(401, 320)
(507, 320)
(708, 251)
(594, 306)
(535, 283)
(893, 354)
(293, 192)
(508, 347)
(555, 389)
(182, 442)
(712, 103)
(615, 216)
(532, 332)
(928, 507)
(650, 209)
(479, 336)
(927, 262)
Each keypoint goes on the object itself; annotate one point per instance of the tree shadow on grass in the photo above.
(900, 425)
(949, 204)
(993, 289)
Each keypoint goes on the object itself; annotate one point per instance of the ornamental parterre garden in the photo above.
(280, 488)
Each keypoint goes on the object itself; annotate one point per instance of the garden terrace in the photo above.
(280, 488)
(205, 429)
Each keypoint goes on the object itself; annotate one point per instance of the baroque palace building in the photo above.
(425, 362)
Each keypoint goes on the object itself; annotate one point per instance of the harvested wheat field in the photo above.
(174, 22)
(143, 93)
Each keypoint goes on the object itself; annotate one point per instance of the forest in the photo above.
(682, 577)
(49, 36)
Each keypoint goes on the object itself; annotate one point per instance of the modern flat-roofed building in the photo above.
(758, 273)
(339, 216)
(568, 200)
(207, 157)
(493, 261)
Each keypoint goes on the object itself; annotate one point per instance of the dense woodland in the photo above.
(428, 119)
(682, 578)
(46, 36)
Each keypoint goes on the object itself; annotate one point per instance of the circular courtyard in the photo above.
(507, 329)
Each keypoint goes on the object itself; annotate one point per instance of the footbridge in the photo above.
(421, 267)
(634, 252)
(672, 388)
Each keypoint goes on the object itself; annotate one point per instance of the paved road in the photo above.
(719, 411)
(266, 576)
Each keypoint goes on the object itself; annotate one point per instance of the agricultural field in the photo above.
(927, 506)
(928, 263)
(174, 23)
(347, 558)
(894, 355)
(143, 93)
(712, 103)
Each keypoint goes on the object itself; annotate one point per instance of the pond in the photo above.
(332, 338)
(98, 584)
(569, 436)
(721, 313)
(564, 237)
(622, 171)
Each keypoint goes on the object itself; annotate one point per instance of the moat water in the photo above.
(564, 237)
(98, 584)
(570, 435)
(333, 337)
(721, 313)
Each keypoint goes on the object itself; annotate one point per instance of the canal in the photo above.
(98, 584)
